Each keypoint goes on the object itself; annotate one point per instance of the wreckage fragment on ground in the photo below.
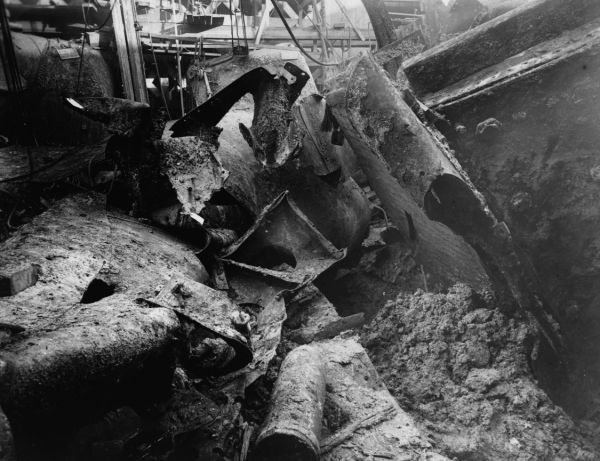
(328, 403)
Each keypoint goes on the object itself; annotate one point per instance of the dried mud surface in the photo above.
(461, 368)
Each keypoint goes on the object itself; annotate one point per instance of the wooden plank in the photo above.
(274, 33)
(380, 21)
(287, 9)
(134, 51)
(406, 15)
(17, 277)
(395, 5)
(122, 52)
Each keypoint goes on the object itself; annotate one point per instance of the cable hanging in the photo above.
(108, 16)
(83, 39)
(300, 47)
(317, 29)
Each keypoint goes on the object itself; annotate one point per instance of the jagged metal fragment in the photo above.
(192, 169)
(275, 89)
(261, 295)
(338, 209)
(210, 310)
(284, 244)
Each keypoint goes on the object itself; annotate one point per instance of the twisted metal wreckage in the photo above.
(244, 211)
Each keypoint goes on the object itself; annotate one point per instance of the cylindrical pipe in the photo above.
(401, 158)
(293, 425)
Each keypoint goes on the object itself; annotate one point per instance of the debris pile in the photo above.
(282, 274)
(462, 368)
(187, 296)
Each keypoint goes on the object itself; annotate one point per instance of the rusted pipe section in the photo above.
(293, 425)
(401, 159)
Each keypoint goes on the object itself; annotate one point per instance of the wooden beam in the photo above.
(534, 64)
(287, 9)
(322, 28)
(405, 15)
(17, 277)
(134, 51)
(122, 52)
(274, 32)
(264, 22)
(381, 22)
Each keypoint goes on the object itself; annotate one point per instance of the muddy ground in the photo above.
(463, 370)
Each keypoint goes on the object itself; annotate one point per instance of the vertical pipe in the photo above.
(178, 59)
(121, 43)
(323, 26)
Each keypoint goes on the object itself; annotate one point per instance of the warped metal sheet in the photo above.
(284, 244)
(192, 169)
(211, 309)
(212, 111)
(263, 295)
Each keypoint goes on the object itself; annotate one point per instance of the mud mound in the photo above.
(461, 368)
